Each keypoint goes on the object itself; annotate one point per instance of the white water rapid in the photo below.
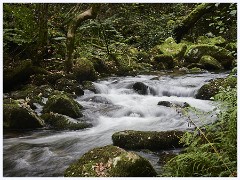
(115, 107)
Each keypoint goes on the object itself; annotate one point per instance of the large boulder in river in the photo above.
(152, 140)
(110, 161)
(222, 55)
(84, 70)
(140, 88)
(60, 122)
(63, 104)
(212, 88)
(18, 115)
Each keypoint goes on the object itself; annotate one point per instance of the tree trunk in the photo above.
(42, 33)
(191, 19)
(74, 24)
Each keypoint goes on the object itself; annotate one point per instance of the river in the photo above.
(115, 107)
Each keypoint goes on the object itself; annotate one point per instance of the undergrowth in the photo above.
(211, 151)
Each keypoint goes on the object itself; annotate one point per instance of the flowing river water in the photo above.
(113, 108)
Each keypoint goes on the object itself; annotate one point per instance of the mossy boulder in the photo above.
(210, 63)
(18, 115)
(196, 70)
(162, 61)
(110, 161)
(222, 55)
(63, 104)
(151, 140)
(100, 65)
(84, 70)
(33, 93)
(218, 41)
(168, 53)
(69, 86)
(60, 122)
(212, 88)
(232, 47)
(17, 75)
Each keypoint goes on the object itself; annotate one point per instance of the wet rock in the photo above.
(63, 104)
(222, 55)
(140, 88)
(173, 104)
(98, 99)
(162, 61)
(212, 88)
(60, 122)
(152, 140)
(210, 63)
(89, 86)
(195, 65)
(19, 115)
(69, 86)
(196, 70)
(110, 161)
(84, 70)
(164, 103)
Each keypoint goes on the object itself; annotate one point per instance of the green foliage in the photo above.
(212, 150)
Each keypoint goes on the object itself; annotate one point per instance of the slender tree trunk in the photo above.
(74, 24)
(42, 33)
(187, 23)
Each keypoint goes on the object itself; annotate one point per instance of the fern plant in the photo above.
(212, 152)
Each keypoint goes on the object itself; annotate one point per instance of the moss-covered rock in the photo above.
(63, 104)
(69, 86)
(84, 70)
(210, 63)
(17, 75)
(232, 47)
(195, 70)
(168, 53)
(147, 139)
(110, 161)
(218, 41)
(18, 115)
(162, 61)
(60, 122)
(195, 53)
(212, 88)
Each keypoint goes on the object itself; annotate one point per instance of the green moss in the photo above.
(18, 115)
(69, 86)
(210, 63)
(63, 104)
(195, 53)
(218, 41)
(110, 161)
(60, 122)
(147, 139)
(195, 70)
(84, 70)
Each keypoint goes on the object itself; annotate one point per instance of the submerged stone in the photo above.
(151, 140)
(110, 161)
(140, 88)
